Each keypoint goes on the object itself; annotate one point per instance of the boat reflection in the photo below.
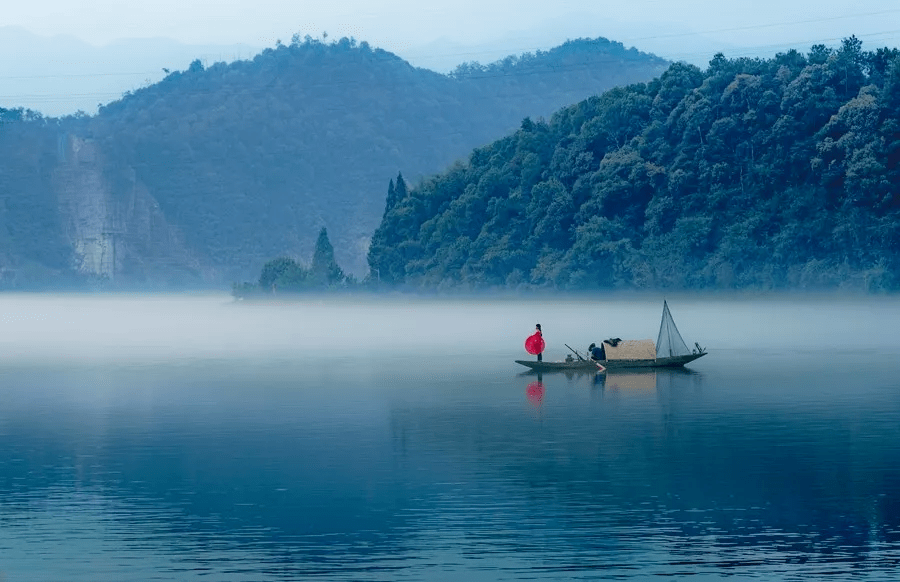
(569, 374)
(620, 383)
(640, 382)
(535, 391)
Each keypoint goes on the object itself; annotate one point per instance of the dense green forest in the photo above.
(755, 173)
(229, 165)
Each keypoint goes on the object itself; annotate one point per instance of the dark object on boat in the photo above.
(669, 351)
(613, 341)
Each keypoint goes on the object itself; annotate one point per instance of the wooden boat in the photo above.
(589, 365)
(669, 351)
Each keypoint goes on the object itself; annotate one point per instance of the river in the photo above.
(194, 438)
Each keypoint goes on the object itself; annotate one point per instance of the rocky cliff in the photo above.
(115, 227)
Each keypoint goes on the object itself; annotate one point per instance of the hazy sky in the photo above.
(53, 76)
(396, 24)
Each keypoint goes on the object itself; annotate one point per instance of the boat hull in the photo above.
(672, 362)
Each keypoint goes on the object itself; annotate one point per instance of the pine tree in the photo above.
(325, 270)
(395, 193)
(400, 189)
(391, 198)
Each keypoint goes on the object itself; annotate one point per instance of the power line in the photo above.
(72, 75)
(529, 49)
(759, 26)
(693, 33)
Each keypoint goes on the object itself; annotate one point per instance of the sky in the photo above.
(88, 47)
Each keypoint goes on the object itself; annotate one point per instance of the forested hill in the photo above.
(778, 173)
(209, 173)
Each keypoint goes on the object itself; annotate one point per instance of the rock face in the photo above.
(83, 195)
(115, 227)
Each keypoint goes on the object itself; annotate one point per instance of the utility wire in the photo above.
(530, 49)
(686, 34)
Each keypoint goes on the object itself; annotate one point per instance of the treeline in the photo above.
(755, 173)
(287, 275)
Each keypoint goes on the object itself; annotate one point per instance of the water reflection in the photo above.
(651, 466)
(621, 382)
(535, 391)
(651, 477)
(624, 383)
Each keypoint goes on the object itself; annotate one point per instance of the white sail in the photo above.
(669, 343)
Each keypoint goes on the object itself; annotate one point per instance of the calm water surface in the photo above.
(195, 439)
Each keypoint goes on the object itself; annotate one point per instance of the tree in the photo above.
(400, 190)
(325, 270)
(391, 198)
(283, 274)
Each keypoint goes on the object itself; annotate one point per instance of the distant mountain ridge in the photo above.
(238, 163)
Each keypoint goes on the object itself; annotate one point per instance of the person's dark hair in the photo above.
(592, 346)
(538, 326)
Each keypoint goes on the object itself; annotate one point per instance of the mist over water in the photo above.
(190, 438)
(135, 328)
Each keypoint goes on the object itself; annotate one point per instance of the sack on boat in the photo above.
(631, 350)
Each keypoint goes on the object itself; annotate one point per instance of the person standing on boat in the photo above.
(596, 354)
(535, 343)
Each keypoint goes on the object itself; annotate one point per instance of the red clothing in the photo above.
(535, 343)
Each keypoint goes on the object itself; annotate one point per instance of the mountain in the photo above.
(670, 40)
(755, 173)
(202, 177)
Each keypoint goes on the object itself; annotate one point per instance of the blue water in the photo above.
(194, 439)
